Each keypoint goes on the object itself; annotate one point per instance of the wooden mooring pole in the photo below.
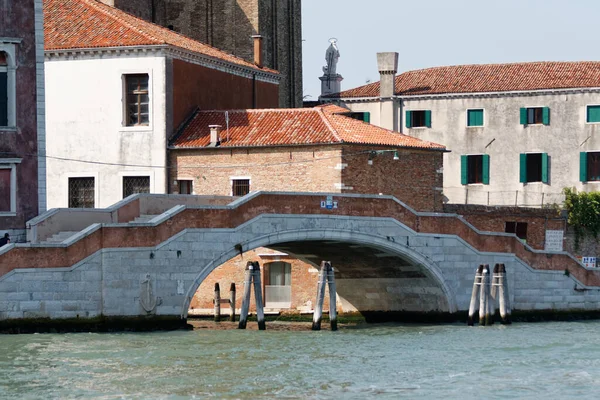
(332, 297)
(484, 297)
(217, 303)
(473, 305)
(232, 302)
(503, 300)
(246, 298)
(318, 313)
(260, 312)
(491, 289)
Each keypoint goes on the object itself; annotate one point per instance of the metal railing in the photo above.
(515, 198)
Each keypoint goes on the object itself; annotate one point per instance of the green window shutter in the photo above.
(583, 166)
(545, 177)
(523, 116)
(486, 169)
(3, 98)
(408, 120)
(367, 117)
(475, 118)
(428, 118)
(593, 114)
(479, 117)
(546, 116)
(464, 164)
(523, 168)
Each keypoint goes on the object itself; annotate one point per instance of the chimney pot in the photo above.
(388, 67)
(258, 50)
(215, 131)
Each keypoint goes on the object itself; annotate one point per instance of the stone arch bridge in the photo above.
(148, 254)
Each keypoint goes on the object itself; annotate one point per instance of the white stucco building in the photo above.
(518, 133)
(116, 89)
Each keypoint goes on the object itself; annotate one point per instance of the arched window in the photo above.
(7, 84)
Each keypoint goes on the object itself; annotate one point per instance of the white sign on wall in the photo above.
(589, 262)
(554, 240)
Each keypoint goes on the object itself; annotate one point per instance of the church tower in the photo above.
(230, 24)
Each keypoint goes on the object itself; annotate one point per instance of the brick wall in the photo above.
(493, 219)
(17, 20)
(197, 86)
(304, 279)
(299, 169)
(413, 178)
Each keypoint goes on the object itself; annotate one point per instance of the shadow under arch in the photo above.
(305, 235)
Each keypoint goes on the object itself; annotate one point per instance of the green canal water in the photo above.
(556, 360)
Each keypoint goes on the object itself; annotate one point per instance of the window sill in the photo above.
(9, 129)
(534, 183)
(138, 128)
(540, 124)
(475, 184)
(419, 127)
(7, 214)
(475, 127)
(592, 123)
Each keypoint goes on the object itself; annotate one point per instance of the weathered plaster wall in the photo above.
(85, 123)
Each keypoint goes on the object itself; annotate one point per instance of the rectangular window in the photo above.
(361, 116)
(535, 115)
(240, 187)
(589, 166)
(81, 193)
(186, 187)
(138, 100)
(593, 114)
(5, 189)
(3, 89)
(418, 119)
(518, 228)
(475, 117)
(135, 184)
(534, 167)
(475, 169)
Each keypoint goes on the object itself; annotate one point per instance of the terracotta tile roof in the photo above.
(489, 78)
(83, 24)
(296, 126)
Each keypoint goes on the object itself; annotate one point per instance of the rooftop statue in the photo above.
(331, 56)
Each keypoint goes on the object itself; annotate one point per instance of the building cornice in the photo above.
(10, 40)
(164, 51)
(446, 96)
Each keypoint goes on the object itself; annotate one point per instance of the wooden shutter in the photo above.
(428, 118)
(408, 119)
(523, 116)
(546, 116)
(3, 98)
(545, 175)
(523, 168)
(367, 117)
(583, 166)
(464, 165)
(486, 170)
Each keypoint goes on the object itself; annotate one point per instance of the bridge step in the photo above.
(60, 237)
(142, 219)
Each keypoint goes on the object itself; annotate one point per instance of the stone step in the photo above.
(142, 219)
(60, 237)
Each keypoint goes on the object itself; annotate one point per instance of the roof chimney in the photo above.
(388, 67)
(258, 50)
(215, 139)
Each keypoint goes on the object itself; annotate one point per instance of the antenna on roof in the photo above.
(227, 123)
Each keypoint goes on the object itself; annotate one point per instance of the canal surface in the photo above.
(542, 360)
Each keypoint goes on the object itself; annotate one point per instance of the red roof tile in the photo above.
(488, 78)
(83, 24)
(301, 126)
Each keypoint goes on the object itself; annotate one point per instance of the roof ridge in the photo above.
(108, 11)
(329, 125)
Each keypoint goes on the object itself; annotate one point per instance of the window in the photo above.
(278, 284)
(475, 169)
(518, 228)
(137, 103)
(240, 187)
(589, 166)
(186, 187)
(8, 69)
(534, 167)
(8, 185)
(418, 119)
(361, 116)
(135, 184)
(81, 193)
(475, 117)
(535, 115)
(593, 114)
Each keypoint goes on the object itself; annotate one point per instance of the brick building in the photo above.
(141, 82)
(321, 149)
(22, 137)
(229, 25)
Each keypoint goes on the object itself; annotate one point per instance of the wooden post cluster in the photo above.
(326, 275)
(252, 277)
(218, 301)
(489, 289)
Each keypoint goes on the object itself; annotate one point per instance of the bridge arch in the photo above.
(386, 244)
